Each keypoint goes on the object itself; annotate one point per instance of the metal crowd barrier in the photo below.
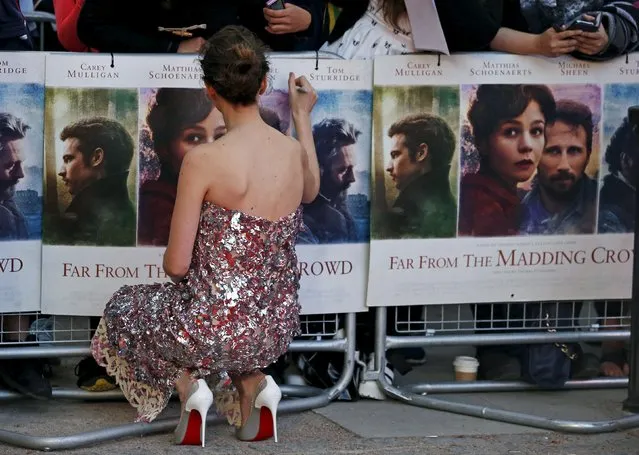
(69, 338)
(454, 325)
(41, 18)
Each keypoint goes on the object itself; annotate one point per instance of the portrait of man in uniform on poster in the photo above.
(422, 148)
(415, 162)
(95, 168)
(91, 167)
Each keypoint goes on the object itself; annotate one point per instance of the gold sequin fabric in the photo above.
(235, 311)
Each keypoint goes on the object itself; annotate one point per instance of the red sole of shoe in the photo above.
(266, 429)
(192, 433)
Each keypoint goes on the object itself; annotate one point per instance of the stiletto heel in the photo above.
(263, 424)
(192, 427)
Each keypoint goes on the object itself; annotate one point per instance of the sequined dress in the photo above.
(235, 311)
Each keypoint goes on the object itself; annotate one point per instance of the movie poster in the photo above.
(115, 137)
(21, 124)
(486, 182)
(333, 245)
(90, 182)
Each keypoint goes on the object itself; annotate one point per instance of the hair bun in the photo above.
(244, 67)
(234, 63)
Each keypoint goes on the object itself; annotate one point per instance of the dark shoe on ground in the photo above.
(585, 366)
(92, 377)
(26, 376)
(498, 366)
(414, 356)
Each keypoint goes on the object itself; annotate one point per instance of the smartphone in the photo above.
(579, 23)
(275, 4)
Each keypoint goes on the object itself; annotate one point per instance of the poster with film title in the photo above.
(488, 180)
(333, 245)
(21, 119)
(100, 170)
(164, 109)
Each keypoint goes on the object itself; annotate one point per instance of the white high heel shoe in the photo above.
(192, 426)
(262, 424)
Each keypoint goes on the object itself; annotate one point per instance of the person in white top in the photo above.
(384, 29)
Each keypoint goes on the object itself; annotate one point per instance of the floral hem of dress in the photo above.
(150, 401)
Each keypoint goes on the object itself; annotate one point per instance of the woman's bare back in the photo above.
(257, 170)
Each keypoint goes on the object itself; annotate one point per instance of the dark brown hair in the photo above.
(106, 134)
(393, 10)
(174, 110)
(330, 135)
(427, 129)
(623, 141)
(495, 104)
(576, 114)
(234, 63)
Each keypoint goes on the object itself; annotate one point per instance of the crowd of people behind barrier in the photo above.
(352, 29)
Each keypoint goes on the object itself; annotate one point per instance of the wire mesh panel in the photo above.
(319, 325)
(17, 328)
(24, 328)
(460, 318)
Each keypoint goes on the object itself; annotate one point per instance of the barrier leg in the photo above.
(500, 415)
(314, 401)
(632, 402)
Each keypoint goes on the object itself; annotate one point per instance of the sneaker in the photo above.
(26, 376)
(370, 388)
(414, 356)
(92, 377)
(293, 375)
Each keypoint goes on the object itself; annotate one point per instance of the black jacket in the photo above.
(12, 23)
(133, 26)
(101, 214)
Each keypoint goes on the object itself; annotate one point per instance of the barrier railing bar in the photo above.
(631, 403)
(41, 18)
(500, 415)
(46, 443)
(394, 342)
(510, 386)
(291, 391)
(23, 352)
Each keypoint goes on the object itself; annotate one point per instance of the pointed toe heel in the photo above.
(262, 422)
(192, 427)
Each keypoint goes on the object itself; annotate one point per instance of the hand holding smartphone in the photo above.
(581, 23)
(275, 4)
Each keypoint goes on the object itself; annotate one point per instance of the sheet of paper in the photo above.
(426, 27)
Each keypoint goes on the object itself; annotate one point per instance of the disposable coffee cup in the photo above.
(465, 368)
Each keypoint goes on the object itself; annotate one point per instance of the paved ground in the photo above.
(364, 427)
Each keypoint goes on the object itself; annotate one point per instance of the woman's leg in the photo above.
(246, 385)
(183, 386)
